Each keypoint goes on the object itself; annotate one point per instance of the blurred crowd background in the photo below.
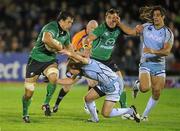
(22, 20)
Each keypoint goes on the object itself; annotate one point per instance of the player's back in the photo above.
(100, 72)
(78, 38)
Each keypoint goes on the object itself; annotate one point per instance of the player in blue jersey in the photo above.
(157, 41)
(109, 85)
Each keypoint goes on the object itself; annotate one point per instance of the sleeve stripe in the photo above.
(171, 34)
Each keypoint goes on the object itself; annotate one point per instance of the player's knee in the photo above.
(52, 74)
(86, 99)
(105, 114)
(144, 88)
(156, 94)
(66, 88)
(29, 86)
(53, 78)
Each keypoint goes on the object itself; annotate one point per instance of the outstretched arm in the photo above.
(67, 81)
(130, 31)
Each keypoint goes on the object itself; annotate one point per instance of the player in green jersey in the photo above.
(42, 60)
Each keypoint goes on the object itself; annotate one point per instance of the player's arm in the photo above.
(89, 39)
(130, 31)
(165, 51)
(75, 56)
(67, 81)
(51, 42)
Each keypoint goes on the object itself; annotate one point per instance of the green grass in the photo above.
(71, 117)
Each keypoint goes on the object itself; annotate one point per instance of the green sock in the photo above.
(50, 91)
(26, 104)
(122, 100)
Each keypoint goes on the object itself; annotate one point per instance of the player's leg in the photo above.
(122, 100)
(62, 93)
(158, 83)
(29, 85)
(93, 94)
(108, 110)
(144, 82)
(52, 73)
(91, 84)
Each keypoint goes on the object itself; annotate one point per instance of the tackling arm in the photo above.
(67, 81)
(75, 56)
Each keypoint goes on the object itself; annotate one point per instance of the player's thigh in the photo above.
(158, 83)
(91, 83)
(107, 107)
(145, 81)
(52, 72)
(91, 95)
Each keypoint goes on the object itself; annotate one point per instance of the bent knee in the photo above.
(53, 78)
(144, 88)
(105, 114)
(86, 99)
(156, 94)
(66, 88)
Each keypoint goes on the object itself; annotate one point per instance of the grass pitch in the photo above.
(71, 116)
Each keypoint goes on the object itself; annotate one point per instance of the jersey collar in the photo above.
(110, 29)
(61, 31)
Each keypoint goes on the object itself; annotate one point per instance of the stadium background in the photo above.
(20, 22)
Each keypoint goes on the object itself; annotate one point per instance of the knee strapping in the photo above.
(52, 70)
(30, 86)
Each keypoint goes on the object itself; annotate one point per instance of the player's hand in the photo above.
(117, 20)
(148, 50)
(139, 28)
(66, 52)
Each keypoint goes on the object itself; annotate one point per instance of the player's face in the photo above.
(158, 19)
(66, 24)
(110, 20)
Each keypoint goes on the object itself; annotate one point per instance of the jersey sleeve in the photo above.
(51, 29)
(98, 31)
(169, 37)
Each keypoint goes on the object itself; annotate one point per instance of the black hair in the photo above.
(63, 15)
(112, 11)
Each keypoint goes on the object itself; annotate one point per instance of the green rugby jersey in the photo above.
(39, 52)
(103, 45)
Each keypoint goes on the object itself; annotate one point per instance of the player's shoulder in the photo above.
(168, 30)
(51, 25)
(147, 24)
